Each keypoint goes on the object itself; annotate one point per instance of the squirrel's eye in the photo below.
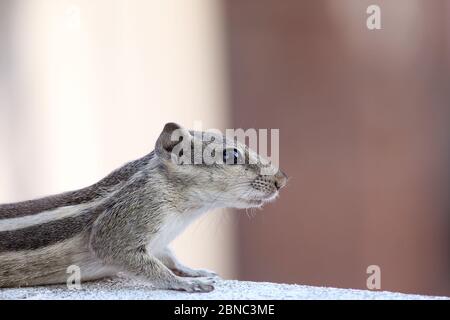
(230, 156)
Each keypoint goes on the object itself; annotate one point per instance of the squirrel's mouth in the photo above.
(259, 202)
(254, 202)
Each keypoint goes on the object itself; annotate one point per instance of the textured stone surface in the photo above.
(122, 288)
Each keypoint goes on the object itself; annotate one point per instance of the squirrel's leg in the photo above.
(107, 242)
(170, 261)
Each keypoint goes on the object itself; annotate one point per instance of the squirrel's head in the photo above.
(216, 170)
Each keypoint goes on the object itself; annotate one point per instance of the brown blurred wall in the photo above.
(364, 136)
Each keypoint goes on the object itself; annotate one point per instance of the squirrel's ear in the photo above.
(171, 135)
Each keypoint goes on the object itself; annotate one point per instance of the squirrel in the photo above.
(125, 222)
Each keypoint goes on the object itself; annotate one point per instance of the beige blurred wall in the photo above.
(86, 86)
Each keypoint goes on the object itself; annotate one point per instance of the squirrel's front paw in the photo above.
(191, 285)
(194, 273)
(204, 273)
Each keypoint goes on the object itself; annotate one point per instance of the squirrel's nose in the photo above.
(280, 179)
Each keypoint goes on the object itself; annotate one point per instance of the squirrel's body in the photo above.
(122, 223)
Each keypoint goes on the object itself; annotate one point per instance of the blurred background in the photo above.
(364, 119)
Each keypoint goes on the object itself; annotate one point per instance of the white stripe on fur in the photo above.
(42, 217)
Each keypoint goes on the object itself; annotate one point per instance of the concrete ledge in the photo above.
(122, 288)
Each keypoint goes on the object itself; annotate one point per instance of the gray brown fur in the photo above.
(126, 221)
